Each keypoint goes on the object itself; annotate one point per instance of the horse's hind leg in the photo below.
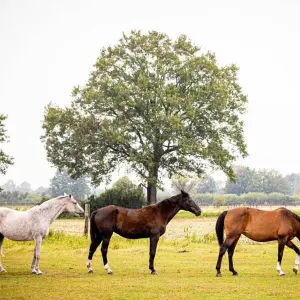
(1, 253)
(230, 257)
(93, 247)
(228, 242)
(291, 245)
(104, 248)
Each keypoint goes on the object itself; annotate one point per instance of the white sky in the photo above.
(47, 47)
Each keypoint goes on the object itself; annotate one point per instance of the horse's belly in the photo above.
(132, 235)
(16, 231)
(259, 236)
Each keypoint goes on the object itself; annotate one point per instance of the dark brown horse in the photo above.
(258, 225)
(148, 222)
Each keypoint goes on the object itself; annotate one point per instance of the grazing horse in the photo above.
(34, 223)
(258, 225)
(148, 222)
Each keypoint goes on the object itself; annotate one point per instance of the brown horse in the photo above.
(261, 226)
(148, 222)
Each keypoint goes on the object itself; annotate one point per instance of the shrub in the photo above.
(123, 193)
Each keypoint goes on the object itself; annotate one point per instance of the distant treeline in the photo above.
(249, 199)
(20, 198)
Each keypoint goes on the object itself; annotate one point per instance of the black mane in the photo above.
(294, 215)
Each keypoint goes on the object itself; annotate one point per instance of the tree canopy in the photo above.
(207, 185)
(262, 180)
(5, 160)
(160, 106)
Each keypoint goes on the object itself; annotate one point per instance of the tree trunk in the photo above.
(151, 193)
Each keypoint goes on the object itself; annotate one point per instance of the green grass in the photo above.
(205, 214)
(186, 271)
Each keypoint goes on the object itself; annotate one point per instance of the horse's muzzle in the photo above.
(198, 213)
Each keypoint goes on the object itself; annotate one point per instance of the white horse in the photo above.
(34, 224)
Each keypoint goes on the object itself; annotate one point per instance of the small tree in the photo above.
(219, 200)
(24, 187)
(207, 185)
(9, 186)
(123, 193)
(62, 183)
(5, 160)
(185, 183)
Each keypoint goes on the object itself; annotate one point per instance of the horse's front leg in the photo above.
(281, 243)
(36, 256)
(33, 261)
(153, 245)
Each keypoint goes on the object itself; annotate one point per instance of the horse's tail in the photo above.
(220, 227)
(93, 227)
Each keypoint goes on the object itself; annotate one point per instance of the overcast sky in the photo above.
(47, 47)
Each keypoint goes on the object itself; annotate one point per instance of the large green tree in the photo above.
(5, 160)
(153, 104)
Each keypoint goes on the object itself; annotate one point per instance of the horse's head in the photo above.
(188, 204)
(73, 207)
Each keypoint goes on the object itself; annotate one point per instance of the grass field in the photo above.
(186, 268)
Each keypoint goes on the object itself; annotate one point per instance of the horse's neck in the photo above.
(49, 210)
(168, 208)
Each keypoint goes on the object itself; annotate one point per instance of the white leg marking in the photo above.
(107, 268)
(297, 262)
(89, 266)
(278, 268)
(2, 269)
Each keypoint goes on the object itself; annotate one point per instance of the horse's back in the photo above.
(129, 223)
(104, 217)
(258, 225)
(14, 224)
(9, 213)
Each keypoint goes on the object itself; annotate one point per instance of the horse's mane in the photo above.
(49, 202)
(294, 215)
(60, 197)
(170, 200)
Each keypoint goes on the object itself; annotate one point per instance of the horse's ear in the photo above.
(184, 194)
(70, 196)
(65, 194)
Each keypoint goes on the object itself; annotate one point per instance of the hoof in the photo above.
(154, 273)
(235, 273)
(34, 272)
(90, 271)
(281, 274)
(39, 273)
(295, 271)
(110, 272)
(3, 271)
(219, 275)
